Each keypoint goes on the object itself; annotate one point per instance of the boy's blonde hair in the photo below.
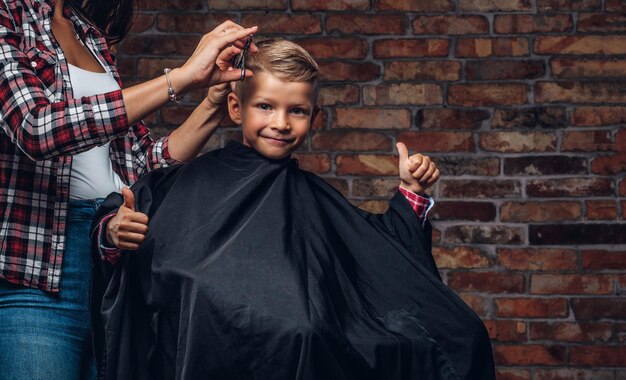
(283, 59)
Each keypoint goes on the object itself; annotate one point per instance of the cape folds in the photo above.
(255, 269)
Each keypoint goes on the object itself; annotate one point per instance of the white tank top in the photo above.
(92, 173)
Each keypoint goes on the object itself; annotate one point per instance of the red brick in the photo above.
(367, 164)
(588, 68)
(601, 22)
(375, 187)
(403, 94)
(459, 210)
(569, 187)
(415, 5)
(460, 257)
(450, 118)
(484, 234)
(572, 373)
(596, 116)
(161, 5)
(411, 48)
(317, 163)
(601, 209)
(344, 71)
(531, 354)
(543, 259)
(544, 117)
(282, 23)
(438, 141)
(422, 70)
(366, 24)
(538, 165)
(372, 118)
(579, 92)
(164, 45)
(349, 140)
(191, 22)
(503, 70)
(506, 330)
(142, 23)
(601, 260)
(340, 184)
(494, 5)
(516, 142)
(488, 166)
(512, 374)
(335, 47)
(246, 4)
(479, 304)
(570, 284)
(622, 188)
(153, 67)
(579, 233)
(487, 94)
(329, 5)
(453, 25)
(492, 47)
(331, 95)
(602, 356)
(486, 282)
(568, 5)
(480, 189)
(531, 307)
(581, 44)
(520, 24)
(176, 115)
(539, 211)
(614, 6)
(586, 141)
(607, 165)
(571, 331)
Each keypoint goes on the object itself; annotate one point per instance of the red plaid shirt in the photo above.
(42, 127)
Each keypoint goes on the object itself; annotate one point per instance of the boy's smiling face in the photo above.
(276, 116)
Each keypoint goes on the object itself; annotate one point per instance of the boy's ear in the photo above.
(234, 108)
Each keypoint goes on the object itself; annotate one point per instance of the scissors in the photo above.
(239, 62)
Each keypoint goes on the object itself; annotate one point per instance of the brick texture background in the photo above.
(522, 103)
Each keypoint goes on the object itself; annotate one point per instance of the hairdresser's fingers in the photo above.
(225, 58)
(228, 27)
(220, 77)
(237, 38)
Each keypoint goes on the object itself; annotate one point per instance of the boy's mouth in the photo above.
(278, 141)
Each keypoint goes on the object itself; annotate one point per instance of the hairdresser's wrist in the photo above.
(181, 81)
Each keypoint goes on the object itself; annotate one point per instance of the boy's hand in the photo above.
(128, 228)
(417, 172)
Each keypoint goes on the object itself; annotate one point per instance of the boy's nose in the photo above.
(281, 122)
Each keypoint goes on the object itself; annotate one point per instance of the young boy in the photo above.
(254, 268)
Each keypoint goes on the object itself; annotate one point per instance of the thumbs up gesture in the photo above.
(128, 228)
(417, 172)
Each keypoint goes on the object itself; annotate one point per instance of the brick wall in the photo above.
(522, 104)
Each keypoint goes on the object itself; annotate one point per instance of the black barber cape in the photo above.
(256, 269)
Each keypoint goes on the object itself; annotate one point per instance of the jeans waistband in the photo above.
(85, 208)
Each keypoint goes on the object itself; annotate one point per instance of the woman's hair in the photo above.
(284, 59)
(113, 17)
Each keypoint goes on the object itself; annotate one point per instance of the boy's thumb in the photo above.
(403, 152)
(129, 198)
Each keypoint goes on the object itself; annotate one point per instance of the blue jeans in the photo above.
(44, 336)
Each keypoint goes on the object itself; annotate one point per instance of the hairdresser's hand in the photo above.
(209, 63)
(417, 172)
(127, 229)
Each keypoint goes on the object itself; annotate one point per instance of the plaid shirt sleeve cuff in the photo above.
(161, 153)
(107, 252)
(420, 204)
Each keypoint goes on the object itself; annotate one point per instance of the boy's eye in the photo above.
(264, 107)
(298, 111)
